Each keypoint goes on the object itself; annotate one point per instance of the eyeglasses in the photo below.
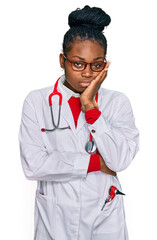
(79, 66)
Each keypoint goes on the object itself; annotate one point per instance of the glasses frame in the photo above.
(105, 61)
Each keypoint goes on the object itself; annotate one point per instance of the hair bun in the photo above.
(90, 17)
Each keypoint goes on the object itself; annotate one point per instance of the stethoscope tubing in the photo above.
(55, 92)
(59, 112)
(56, 126)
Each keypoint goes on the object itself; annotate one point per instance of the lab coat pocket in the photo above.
(111, 218)
(45, 216)
(109, 206)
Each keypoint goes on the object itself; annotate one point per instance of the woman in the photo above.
(87, 140)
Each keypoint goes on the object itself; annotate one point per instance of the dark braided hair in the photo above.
(86, 24)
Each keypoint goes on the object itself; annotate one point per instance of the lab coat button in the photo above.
(93, 131)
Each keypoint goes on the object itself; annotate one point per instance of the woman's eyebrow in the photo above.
(84, 58)
(79, 57)
(98, 58)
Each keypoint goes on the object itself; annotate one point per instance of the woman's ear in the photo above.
(61, 60)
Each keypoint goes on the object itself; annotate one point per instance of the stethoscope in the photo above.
(90, 146)
(55, 92)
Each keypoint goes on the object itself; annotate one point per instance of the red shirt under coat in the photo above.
(91, 116)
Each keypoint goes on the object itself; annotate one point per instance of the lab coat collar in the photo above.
(66, 91)
(66, 111)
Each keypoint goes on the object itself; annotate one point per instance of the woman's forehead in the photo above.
(86, 48)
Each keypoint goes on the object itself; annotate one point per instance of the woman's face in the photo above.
(81, 51)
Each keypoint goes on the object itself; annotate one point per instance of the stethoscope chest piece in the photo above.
(90, 147)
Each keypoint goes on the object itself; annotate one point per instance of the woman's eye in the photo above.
(78, 64)
(97, 65)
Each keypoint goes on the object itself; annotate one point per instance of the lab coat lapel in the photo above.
(67, 114)
(81, 121)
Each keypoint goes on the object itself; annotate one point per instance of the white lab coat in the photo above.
(68, 201)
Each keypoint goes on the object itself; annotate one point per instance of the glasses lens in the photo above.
(98, 66)
(78, 66)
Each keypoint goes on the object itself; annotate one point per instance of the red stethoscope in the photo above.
(90, 146)
(55, 92)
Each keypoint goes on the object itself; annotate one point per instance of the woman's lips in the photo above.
(85, 83)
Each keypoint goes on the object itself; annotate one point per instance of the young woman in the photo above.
(74, 143)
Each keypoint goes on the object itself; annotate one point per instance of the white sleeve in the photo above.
(117, 139)
(37, 163)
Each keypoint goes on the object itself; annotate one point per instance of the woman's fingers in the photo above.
(101, 77)
(107, 65)
(96, 83)
(94, 86)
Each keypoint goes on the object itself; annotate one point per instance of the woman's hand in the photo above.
(87, 96)
(104, 167)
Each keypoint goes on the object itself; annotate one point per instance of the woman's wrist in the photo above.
(87, 106)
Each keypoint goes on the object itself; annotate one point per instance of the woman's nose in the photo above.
(87, 72)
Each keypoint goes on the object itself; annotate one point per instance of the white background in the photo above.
(31, 40)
